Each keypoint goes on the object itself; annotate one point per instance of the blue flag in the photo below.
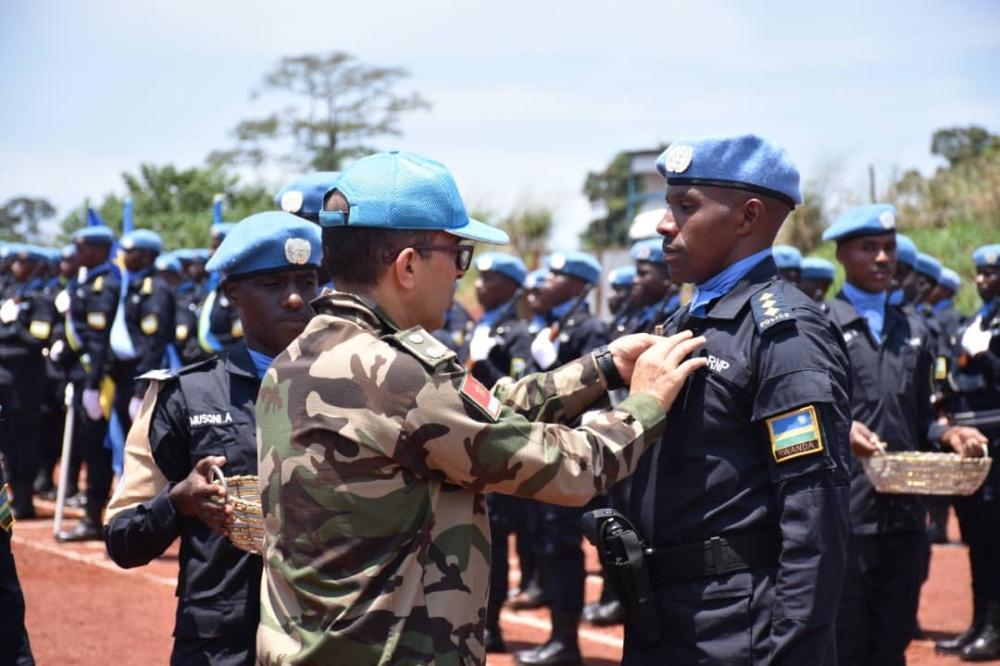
(93, 219)
(217, 209)
(127, 223)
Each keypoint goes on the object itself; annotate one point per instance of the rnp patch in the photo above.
(480, 397)
(795, 433)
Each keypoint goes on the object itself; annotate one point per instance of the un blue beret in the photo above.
(398, 190)
(987, 255)
(786, 256)
(928, 266)
(814, 268)
(142, 239)
(201, 255)
(53, 255)
(536, 278)
(949, 279)
(622, 277)
(650, 250)
(267, 242)
(867, 220)
(745, 162)
(577, 264)
(96, 235)
(9, 250)
(28, 252)
(505, 264)
(219, 230)
(906, 250)
(168, 262)
(68, 251)
(305, 196)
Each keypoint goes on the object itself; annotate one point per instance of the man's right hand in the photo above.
(864, 442)
(661, 370)
(197, 496)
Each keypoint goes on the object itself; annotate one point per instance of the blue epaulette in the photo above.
(770, 309)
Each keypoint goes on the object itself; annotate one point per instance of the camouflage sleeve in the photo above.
(558, 395)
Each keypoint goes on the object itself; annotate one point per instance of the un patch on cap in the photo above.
(677, 158)
(291, 201)
(297, 251)
(795, 433)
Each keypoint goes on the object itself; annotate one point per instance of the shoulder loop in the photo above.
(423, 345)
(770, 309)
(98, 283)
(147, 286)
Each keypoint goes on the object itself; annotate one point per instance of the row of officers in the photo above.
(918, 368)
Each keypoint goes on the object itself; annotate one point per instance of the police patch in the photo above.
(97, 321)
(940, 368)
(478, 395)
(40, 329)
(795, 433)
(181, 332)
(149, 324)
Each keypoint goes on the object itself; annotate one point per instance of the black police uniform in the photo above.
(14, 646)
(888, 547)
(766, 590)
(454, 335)
(52, 408)
(26, 323)
(646, 319)
(201, 410)
(93, 305)
(188, 299)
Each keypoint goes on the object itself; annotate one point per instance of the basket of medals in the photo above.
(924, 473)
(243, 497)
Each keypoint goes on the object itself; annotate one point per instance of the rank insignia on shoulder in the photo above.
(149, 324)
(97, 321)
(940, 368)
(770, 309)
(98, 284)
(6, 514)
(424, 346)
(479, 396)
(795, 433)
(40, 329)
(181, 332)
(147, 286)
(518, 366)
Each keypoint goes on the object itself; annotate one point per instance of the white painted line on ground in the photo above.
(94, 560)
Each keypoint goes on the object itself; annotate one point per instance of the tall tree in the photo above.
(343, 105)
(609, 188)
(529, 229)
(20, 216)
(957, 144)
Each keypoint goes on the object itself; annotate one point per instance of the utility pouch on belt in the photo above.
(623, 556)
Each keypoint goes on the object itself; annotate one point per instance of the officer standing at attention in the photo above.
(891, 359)
(747, 509)
(788, 259)
(219, 327)
(904, 282)
(376, 447)
(654, 296)
(93, 304)
(817, 276)
(203, 415)
(620, 282)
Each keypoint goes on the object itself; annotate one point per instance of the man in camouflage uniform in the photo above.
(375, 447)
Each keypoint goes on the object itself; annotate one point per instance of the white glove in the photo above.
(544, 350)
(56, 350)
(92, 404)
(480, 344)
(975, 340)
(133, 407)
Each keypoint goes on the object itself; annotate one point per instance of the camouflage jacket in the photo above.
(375, 449)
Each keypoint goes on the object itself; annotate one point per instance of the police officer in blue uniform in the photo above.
(93, 304)
(219, 327)
(620, 281)
(891, 355)
(746, 510)
(203, 415)
(788, 259)
(904, 283)
(817, 276)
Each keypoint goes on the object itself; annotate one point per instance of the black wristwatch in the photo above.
(606, 364)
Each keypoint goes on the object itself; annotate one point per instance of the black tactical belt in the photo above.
(716, 556)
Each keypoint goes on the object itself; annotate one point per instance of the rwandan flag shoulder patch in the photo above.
(795, 433)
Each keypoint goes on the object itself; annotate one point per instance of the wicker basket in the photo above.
(243, 495)
(919, 473)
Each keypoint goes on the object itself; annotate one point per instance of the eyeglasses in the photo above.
(463, 253)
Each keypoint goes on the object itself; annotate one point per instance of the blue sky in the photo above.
(527, 96)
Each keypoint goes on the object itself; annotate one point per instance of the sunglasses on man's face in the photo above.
(463, 253)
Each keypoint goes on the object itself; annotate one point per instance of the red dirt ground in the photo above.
(83, 610)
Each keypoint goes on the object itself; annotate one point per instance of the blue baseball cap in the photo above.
(987, 256)
(622, 277)
(305, 196)
(867, 220)
(536, 278)
(949, 279)
(96, 235)
(814, 268)
(265, 243)
(505, 264)
(576, 264)
(219, 230)
(786, 256)
(745, 162)
(399, 190)
(650, 250)
(928, 266)
(142, 239)
(906, 250)
(168, 263)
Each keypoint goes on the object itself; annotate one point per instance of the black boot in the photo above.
(986, 646)
(592, 610)
(954, 645)
(562, 648)
(493, 637)
(530, 597)
(85, 530)
(608, 614)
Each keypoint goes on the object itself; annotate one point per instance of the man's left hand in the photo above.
(965, 441)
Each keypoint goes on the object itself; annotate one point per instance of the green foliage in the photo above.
(176, 203)
(20, 216)
(958, 144)
(804, 226)
(609, 188)
(345, 104)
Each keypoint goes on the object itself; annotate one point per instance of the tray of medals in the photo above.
(925, 473)
(243, 496)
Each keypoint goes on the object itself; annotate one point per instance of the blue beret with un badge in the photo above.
(868, 220)
(576, 264)
(535, 279)
(168, 263)
(623, 276)
(142, 239)
(814, 268)
(949, 279)
(266, 243)
(906, 250)
(305, 196)
(505, 264)
(987, 256)
(650, 250)
(26, 252)
(399, 190)
(96, 235)
(928, 266)
(745, 162)
(786, 256)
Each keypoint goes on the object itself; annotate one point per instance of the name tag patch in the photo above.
(795, 433)
(197, 420)
(480, 397)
